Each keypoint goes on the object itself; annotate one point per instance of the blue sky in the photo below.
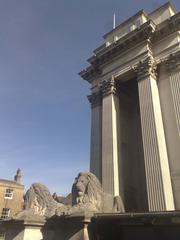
(44, 112)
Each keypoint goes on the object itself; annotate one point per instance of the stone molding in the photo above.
(170, 64)
(95, 99)
(145, 32)
(173, 62)
(167, 27)
(105, 88)
(146, 68)
(90, 73)
(108, 87)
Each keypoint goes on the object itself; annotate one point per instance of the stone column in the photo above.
(170, 95)
(110, 176)
(96, 134)
(159, 188)
(173, 65)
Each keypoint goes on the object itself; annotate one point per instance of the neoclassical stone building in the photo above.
(135, 100)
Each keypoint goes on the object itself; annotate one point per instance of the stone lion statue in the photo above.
(87, 196)
(87, 193)
(39, 200)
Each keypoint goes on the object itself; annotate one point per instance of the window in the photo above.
(2, 235)
(5, 213)
(8, 193)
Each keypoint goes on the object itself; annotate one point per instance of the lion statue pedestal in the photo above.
(65, 221)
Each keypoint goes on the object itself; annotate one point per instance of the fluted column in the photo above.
(96, 134)
(159, 188)
(169, 76)
(173, 65)
(110, 176)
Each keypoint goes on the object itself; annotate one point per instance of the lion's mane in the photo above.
(87, 189)
(39, 199)
(90, 187)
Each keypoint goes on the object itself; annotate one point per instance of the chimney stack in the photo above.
(17, 177)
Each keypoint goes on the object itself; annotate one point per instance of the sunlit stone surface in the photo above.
(135, 100)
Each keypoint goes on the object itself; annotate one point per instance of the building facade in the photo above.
(135, 100)
(11, 196)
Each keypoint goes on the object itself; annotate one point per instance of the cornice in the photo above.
(167, 27)
(147, 31)
(146, 68)
(143, 32)
(89, 73)
(123, 44)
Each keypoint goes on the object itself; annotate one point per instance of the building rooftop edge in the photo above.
(163, 6)
(10, 182)
(146, 24)
(139, 13)
(126, 21)
(88, 73)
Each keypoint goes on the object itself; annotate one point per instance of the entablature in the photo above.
(122, 45)
(166, 28)
(140, 71)
(146, 32)
(142, 33)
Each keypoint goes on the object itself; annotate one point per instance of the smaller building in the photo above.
(11, 196)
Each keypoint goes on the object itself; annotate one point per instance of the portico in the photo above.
(135, 84)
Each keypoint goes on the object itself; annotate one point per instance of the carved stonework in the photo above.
(171, 26)
(87, 194)
(173, 62)
(107, 54)
(39, 201)
(95, 99)
(146, 68)
(108, 86)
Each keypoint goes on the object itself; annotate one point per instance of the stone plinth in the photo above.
(159, 225)
(67, 228)
(22, 230)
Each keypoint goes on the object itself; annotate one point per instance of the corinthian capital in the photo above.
(108, 87)
(95, 99)
(146, 68)
(173, 62)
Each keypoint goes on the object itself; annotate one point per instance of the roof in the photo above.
(10, 182)
(139, 13)
(168, 4)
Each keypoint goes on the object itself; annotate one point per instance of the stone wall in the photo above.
(16, 203)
